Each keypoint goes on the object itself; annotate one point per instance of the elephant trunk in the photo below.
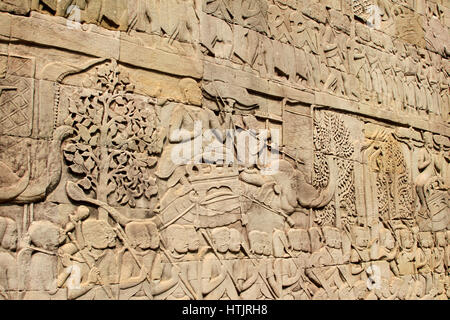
(326, 195)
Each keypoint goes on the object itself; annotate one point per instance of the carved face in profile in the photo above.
(138, 235)
(395, 285)
(8, 234)
(280, 243)
(440, 239)
(267, 244)
(221, 239)
(191, 91)
(154, 235)
(406, 238)
(177, 237)
(315, 238)
(193, 240)
(389, 241)
(294, 239)
(419, 289)
(359, 289)
(235, 241)
(332, 237)
(11, 237)
(425, 239)
(361, 237)
(260, 242)
(305, 243)
(299, 240)
(256, 241)
(99, 234)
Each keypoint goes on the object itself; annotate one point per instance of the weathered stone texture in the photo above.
(209, 149)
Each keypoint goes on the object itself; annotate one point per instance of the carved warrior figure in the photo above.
(406, 257)
(424, 263)
(182, 267)
(252, 279)
(172, 19)
(111, 13)
(386, 248)
(187, 123)
(282, 273)
(218, 276)
(39, 263)
(95, 262)
(138, 261)
(8, 263)
(360, 251)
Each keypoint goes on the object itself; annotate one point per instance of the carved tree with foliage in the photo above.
(117, 136)
(332, 137)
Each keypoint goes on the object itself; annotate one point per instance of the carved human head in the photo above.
(387, 239)
(294, 239)
(98, 234)
(8, 234)
(177, 238)
(256, 240)
(360, 289)
(406, 238)
(44, 234)
(361, 236)
(383, 291)
(154, 235)
(268, 247)
(138, 235)
(193, 239)
(425, 239)
(332, 237)
(440, 239)
(395, 285)
(419, 288)
(235, 240)
(305, 242)
(299, 240)
(191, 91)
(428, 139)
(221, 239)
(280, 243)
(315, 236)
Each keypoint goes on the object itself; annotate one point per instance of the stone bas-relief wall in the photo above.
(348, 99)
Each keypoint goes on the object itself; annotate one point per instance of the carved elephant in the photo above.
(25, 190)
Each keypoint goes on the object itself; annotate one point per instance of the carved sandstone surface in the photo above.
(216, 149)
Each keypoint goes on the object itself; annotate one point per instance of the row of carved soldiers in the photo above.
(90, 259)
